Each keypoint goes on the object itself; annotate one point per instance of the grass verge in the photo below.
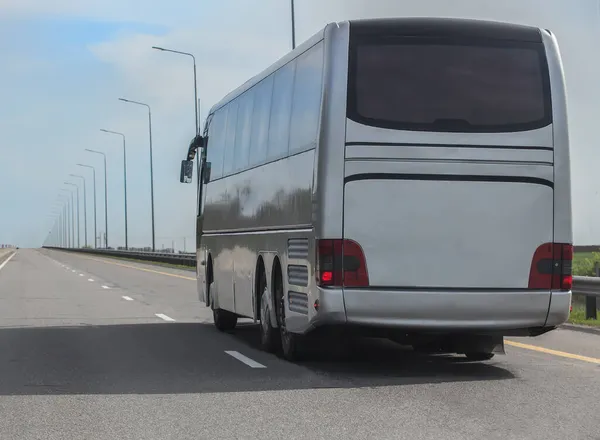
(578, 317)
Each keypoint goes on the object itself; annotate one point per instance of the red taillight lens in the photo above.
(341, 263)
(551, 267)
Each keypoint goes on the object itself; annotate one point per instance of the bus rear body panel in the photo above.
(456, 175)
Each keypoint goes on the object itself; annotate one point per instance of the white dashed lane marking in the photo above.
(164, 317)
(245, 359)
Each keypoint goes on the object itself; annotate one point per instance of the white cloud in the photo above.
(132, 11)
(224, 59)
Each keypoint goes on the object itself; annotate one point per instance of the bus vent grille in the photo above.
(297, 275)
(298, 248)
(298, 302)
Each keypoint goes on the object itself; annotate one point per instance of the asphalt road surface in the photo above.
(94, 348)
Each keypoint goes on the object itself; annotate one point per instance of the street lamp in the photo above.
(195, 81)
(72, 219)
(84, 207)
(59, 223)
(195, 102)
(105, 197)
(124, 179)
(65, 207)
(95, 205)
(78, 215)
(151, 166)
(54, 238)
(293, 25)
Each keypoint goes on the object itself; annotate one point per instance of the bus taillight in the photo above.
(341, 263)
(551, 267)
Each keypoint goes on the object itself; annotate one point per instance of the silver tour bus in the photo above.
(406, 178)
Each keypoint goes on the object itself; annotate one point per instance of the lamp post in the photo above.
(71, 220)
(151, 166)
(105, 197)
(78, 215)
(195, 80)
(84, 207)
(195, 97)
(95, 205)
(65, 209)
(64, 228)
(293, 25)
(124, 179)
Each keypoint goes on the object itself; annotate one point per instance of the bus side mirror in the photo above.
(206, 175)
(187, 171)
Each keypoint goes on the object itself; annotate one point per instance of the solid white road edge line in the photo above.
(7, 260)
(246, 360)
(164, 317)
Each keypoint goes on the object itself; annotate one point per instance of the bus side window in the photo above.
(281, 109)
(307, 99)
(216, 139)
(232, 117)
(242, 132)
(261, 114)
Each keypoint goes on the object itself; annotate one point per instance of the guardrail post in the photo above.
(590, 300)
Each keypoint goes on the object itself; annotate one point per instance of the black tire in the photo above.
(479, 356)
(270, 340)
(224, 320)
(292, 344)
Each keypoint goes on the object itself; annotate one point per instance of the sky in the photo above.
(66, 63)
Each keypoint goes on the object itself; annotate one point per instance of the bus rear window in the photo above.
(440, 85)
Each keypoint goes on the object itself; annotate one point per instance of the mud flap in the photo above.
(476, 344)
(499, 348)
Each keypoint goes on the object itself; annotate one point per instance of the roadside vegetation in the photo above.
(578, 317)
(583, 265)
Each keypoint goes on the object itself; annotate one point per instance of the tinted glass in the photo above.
(281, 108)
(306, 106)
(242, 132)
(228, 159)
(216, 141)
(439, 86)
(261, 114)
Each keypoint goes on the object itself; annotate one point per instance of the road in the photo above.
(94, 348)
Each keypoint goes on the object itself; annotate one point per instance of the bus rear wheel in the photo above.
(224, 320)
(270, 340)
(292, 344)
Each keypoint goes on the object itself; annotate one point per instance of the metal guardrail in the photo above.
(586, 286)
(590, 288)
(157, 257)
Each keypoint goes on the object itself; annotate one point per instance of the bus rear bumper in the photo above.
(498, 312)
